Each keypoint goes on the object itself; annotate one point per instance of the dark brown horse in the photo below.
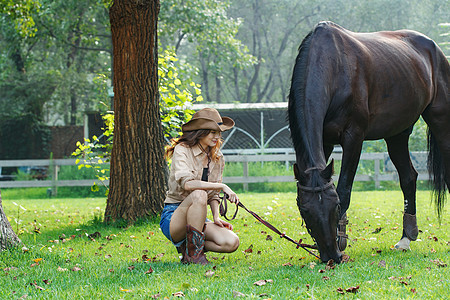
(349, 87)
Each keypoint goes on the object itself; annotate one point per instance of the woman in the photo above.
(194, 183)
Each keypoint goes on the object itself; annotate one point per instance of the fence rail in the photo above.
(381, 162)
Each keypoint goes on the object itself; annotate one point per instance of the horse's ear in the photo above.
(296, 171)
(329, 170)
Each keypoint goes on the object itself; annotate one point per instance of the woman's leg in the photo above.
(220, 239)
(192, 211)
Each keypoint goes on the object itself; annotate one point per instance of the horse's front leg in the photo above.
(399, 154)
(350, 158)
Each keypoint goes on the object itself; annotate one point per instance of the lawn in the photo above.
(70, 254)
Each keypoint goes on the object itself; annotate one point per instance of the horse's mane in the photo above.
(297, 99)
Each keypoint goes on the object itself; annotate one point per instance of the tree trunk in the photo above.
(138, 169)
(8, 237)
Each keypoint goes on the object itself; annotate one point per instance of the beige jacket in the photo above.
(188, 164)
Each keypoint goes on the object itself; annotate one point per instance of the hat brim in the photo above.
(206, 123)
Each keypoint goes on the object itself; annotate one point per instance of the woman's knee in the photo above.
(234, 243)
(199, 197)
(231, 243)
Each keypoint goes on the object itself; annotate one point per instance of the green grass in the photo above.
(112, 266)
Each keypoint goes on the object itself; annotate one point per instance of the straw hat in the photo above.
(208, 118)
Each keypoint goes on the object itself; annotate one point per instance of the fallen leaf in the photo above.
(131, 268)
(439, 263)
(125, 290)
(37, 286)
(382, 264)
(340, 290)
(155, 296)
(94, 235)
(37, 260)
(238, 294)
(345, 258)
(178, 294)
(325, 278)
(288, 264)
(34, 265)
(263, 282)
(209, 273)
(75, 269)
(352, 289)
(61, 269)
(377, 230)
(249, 249)
(330, 265)
(149, 271)
(46, 281)
(269, 238)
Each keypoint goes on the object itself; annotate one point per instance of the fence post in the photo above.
(55, 179)
(377, 173)
(245, 166)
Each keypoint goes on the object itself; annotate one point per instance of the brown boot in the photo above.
(182, 250)
(195, 244)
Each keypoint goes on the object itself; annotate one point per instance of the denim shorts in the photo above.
(166, 216)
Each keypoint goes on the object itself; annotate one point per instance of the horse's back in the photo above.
(381, 73)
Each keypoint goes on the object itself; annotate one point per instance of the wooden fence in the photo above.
(382, 170)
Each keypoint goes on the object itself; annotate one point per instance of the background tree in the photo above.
(25, 25)
(208, 41)
(138, 170)
(8, 237)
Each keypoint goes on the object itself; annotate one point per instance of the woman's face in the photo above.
(211, 139)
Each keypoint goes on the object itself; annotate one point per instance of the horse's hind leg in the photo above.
(399, 154)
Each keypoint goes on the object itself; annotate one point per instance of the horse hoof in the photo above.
(403, 245)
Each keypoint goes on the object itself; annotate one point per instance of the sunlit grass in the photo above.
(77, 263)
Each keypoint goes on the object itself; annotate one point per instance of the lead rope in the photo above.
(223, 212)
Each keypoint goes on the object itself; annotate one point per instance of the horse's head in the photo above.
(318, 203)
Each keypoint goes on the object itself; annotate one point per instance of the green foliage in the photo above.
(95, 154)
(177, 92)
(77, 264)
(20, 11)
(75, 173)
(208, 40)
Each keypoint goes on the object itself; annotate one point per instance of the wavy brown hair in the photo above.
(192, 138)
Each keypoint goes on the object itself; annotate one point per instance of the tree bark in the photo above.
(8, 237)
(138, 169)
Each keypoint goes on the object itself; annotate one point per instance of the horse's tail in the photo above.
(437, 173)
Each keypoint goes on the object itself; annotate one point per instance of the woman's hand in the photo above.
(222, 223)
(232, 196)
